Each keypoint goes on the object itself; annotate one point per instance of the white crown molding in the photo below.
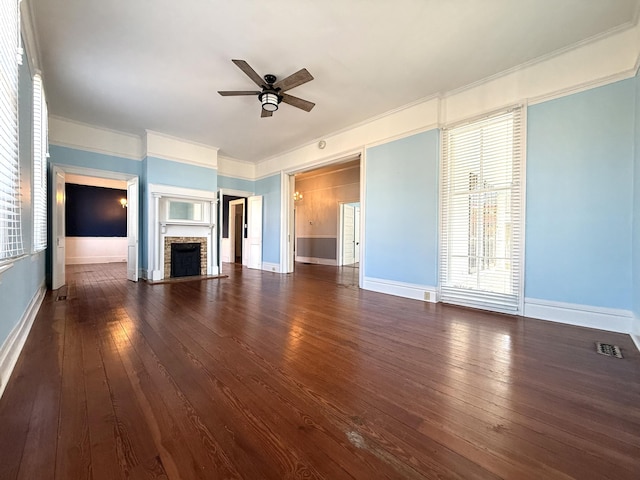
(167, 147)
(30, 36)
(364, 123)
(83, 136)
(599, 60)
(232, 167)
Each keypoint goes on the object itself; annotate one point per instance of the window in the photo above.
(40, 143)
(481, 213)
(10, 228)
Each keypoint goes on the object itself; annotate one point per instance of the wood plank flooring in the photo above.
(304, 376)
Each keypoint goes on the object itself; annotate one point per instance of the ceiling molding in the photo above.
(82, 136)
(167, 147)
(30, 37)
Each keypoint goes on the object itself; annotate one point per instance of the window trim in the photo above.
(520, 249)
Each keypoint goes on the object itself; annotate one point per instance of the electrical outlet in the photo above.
(427, 296)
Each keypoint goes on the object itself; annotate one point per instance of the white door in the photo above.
(255, 232)
(58, 276)
(356, 227)
(348, 235)
(132, 229)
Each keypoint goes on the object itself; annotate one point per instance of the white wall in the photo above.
(83, 250)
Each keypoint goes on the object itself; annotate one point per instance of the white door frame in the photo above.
(58, 226)
(87, 172)
(255, 231)
(231, 193)
(232, 230)
(287, 187)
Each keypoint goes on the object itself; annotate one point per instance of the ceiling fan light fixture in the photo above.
(269, 101)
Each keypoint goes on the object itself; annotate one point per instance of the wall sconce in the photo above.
(123, 202)
(297, 196)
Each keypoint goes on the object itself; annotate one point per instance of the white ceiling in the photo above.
(157, 64)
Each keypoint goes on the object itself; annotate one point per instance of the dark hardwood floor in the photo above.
(267, 376)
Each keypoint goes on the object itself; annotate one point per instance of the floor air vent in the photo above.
(608, 349)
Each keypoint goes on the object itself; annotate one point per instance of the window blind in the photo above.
(40, 147)
(481, 213)
(10, 228)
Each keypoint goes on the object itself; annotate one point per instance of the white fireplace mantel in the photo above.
(161, 227)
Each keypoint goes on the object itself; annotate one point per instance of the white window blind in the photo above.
(10, 228)
(40, 147)
(480, 243)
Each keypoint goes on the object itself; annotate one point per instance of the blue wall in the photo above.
(20, 284)
(270, 189)
(636, 213)
(98, 161)
(236, 183)
(401, 216)
(579, 197)
(166, 172)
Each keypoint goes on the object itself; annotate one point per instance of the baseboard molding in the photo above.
(271, 267)
(318, 261)
(97, 259)
(10, 350)
(401, 289)
(601, 318)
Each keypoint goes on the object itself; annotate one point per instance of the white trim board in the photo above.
(316, 260)
(10, 350)
(601, 318)
(636, 341)
(401, 289)
(271, 267)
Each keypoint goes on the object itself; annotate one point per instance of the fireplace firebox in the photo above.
(185, 259)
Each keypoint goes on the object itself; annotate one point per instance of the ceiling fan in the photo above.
(272, 92)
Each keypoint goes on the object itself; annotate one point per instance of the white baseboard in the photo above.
(318, 261)
(271, 267)
(401, 289)
(10, 350)
(95, 259)
(636, 340)
(610, 319)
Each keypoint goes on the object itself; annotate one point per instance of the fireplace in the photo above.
(185, 256)
(185, 259)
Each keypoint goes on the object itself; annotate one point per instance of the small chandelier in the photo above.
(124, 203)
(297, 196)
(270, 101)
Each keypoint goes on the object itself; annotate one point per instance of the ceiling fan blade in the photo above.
(250, 72)
(292, 81)
(297, 102)
(230, 93)
(265, 113)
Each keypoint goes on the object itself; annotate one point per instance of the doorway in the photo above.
(128, 253)
(313, 218)
(237, 228)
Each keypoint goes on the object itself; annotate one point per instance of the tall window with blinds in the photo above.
(482, 213)
(40, 154)
(10, 227)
